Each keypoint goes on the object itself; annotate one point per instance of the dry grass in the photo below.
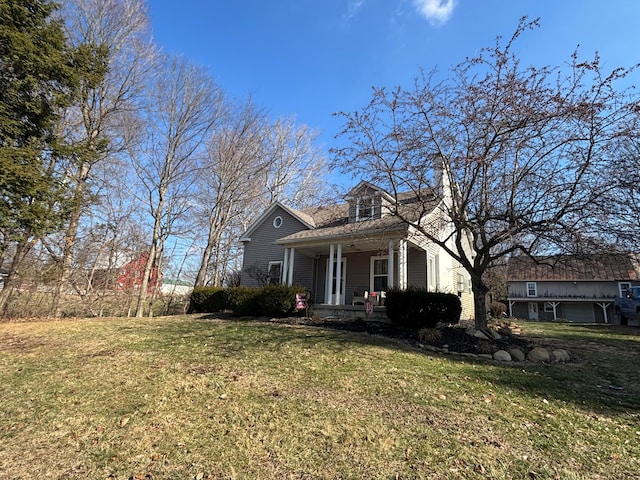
(187, 397)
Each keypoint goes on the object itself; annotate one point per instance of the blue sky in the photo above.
(311, 58)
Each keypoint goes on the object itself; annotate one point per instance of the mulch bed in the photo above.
(453, 337)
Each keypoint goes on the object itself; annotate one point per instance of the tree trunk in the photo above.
(480, 291)
(22, 249)
(151, 259)
(70, 240)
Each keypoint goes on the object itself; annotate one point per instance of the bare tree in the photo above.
(517, 154)
(186, 104)
(296, 167)
(113, 53)
(251, 161)
(228, 186)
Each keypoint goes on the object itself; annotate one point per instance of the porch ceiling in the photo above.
(349, 246)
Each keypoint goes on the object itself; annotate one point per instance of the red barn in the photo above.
(132, 273)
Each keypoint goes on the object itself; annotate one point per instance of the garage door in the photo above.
(579, 312)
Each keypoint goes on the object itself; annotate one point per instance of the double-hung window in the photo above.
(532, 289)
(365, 208)
(275, 273)
(379, 273)
(623, 287)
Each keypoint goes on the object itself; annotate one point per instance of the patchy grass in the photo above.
(188, 397)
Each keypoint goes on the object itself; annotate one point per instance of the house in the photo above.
(569, 287)
(357, 249)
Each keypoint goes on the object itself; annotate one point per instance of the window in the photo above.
(532, 289)
(365, 208)
(460, 282)
(277, 222)
(379, 273)
(432, 279)
(623, 287)
(275, 273)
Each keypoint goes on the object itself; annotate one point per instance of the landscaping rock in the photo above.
(502, 356)
(517, 354)
(479, 334)
(495, 335)
(539, 355)
(560, 356)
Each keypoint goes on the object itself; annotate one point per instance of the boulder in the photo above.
(502, 356)
(560, 356)
(517, 354)
(539, 355)
(495, 335)
(480, 334)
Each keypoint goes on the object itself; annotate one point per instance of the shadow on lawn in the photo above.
(603, 377)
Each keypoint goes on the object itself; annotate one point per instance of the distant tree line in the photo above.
(110, 149)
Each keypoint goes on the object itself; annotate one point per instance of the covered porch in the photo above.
(347, 271)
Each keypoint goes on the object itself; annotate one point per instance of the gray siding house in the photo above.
(572, 288)
(344, 253)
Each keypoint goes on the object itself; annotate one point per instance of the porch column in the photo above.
(402, 264)
(338, 273)
(604, 306)
(390, 266)
(327, 292)
(285, 267)
(292, 252)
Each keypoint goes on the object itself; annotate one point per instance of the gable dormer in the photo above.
(367, 202)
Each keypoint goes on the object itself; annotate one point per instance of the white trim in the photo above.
(277, 221)
(535, 289)
(341, 267)
(329, 271)
(340, 285)
(285, 265)
(391, 266)
(432, 273)
(402, 264)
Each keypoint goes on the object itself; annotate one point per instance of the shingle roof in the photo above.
(571, 267)
(333, 220)
(356, 229)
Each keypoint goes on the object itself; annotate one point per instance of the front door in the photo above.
(533, 311)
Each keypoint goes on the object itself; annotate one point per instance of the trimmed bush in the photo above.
(279, 300)
(243, 300)
(271, 301)
(416, 308)
(207, 299)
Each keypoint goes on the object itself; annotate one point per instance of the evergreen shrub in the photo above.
(416, 308)
(207, 300)
(243, 300)
(271, 301)
(279, 301)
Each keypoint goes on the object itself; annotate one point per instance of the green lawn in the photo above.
(187, 397)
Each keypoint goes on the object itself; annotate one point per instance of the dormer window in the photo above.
(365, 208)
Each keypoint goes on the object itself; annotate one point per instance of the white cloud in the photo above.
(353, 7)
(436, 12)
